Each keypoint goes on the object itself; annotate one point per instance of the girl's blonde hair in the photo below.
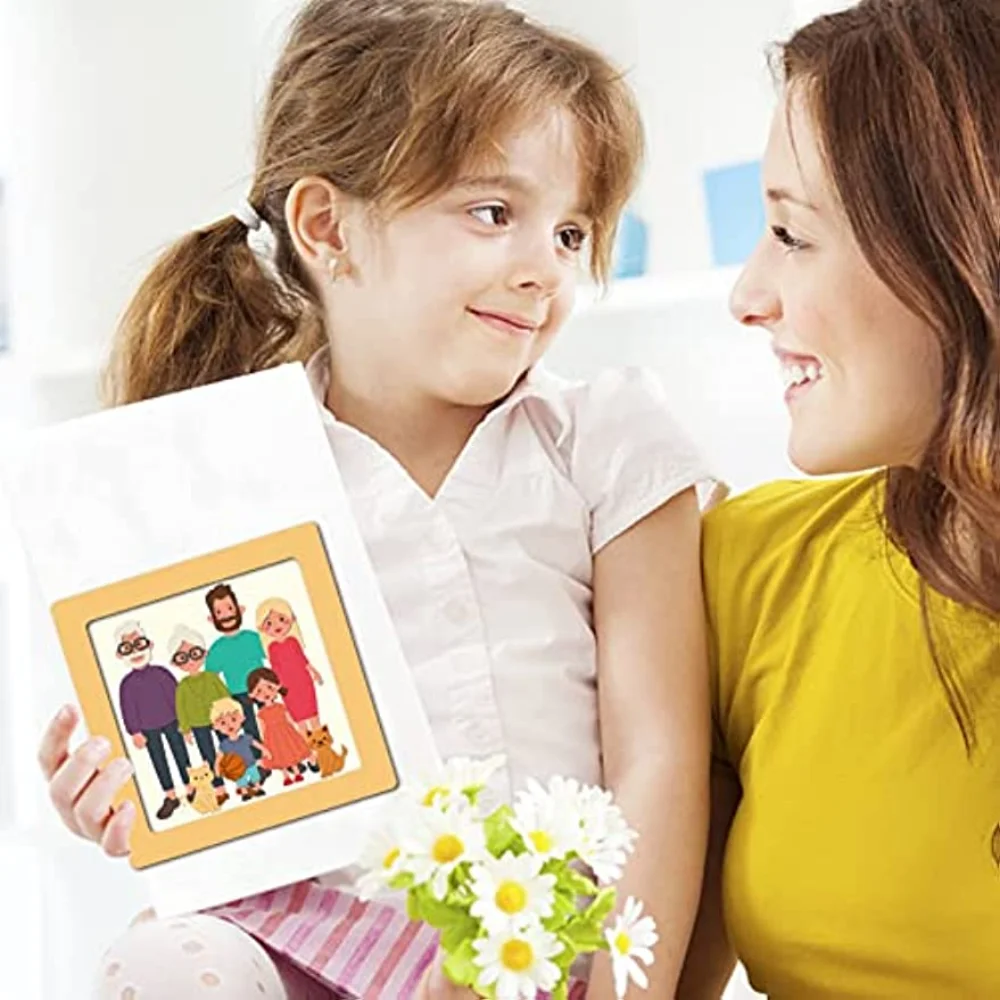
(282, 606)
(390, 100)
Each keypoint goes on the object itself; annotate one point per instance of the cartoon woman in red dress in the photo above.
(279, 631)
(287, 747)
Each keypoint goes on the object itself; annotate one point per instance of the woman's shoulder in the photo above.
(776, 531)
(792, 509)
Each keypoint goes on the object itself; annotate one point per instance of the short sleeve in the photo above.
(629, 454)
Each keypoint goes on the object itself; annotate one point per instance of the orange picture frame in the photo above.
(376, 773)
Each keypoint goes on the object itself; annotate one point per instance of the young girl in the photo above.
(433, 178)
(282, 639)
(285, 744)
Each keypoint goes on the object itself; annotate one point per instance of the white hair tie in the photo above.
(248, 215)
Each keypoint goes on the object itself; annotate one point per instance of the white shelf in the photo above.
(648, 293)
(658, 291)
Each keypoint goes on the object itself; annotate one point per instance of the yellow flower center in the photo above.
(391, 858)
(517, 955)
(447, 849)
(541, 840)
(511, 898)
(435, 793)
(623, 943)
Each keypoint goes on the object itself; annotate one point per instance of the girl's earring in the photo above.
(339, 266)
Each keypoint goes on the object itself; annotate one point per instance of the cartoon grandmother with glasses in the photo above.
(196, 693)
(148, 700)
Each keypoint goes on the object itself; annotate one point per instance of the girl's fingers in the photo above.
(115, 840)
(93, 808)
(73, 777)
(54, 748)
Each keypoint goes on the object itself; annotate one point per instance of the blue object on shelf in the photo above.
(735, 211)
(631, 247)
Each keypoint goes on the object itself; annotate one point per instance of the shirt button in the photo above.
(457, 611)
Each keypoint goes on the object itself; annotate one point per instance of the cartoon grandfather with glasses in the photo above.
(148, 701)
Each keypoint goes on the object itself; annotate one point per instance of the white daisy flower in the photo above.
(460, 778)
(517, 961)
(439, 842)
(511, 891)
(631, 940)
(549, 824)
(383, 859)
(606, 839)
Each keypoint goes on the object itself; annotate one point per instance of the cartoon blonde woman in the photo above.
(279, 631)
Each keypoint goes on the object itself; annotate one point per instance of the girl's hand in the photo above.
(315, 674)
(189, 737)
(82, 793)
(435, 985)
(139, 740)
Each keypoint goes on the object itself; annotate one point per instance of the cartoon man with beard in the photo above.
(236, 653)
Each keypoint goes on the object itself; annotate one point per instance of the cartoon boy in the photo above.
(228, 720)
(148, 700)
(196, 693)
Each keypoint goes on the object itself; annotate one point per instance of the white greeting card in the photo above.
(224, 629)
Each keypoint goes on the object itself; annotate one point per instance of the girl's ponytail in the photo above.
(207, 311)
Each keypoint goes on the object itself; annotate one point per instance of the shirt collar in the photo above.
(537, 384)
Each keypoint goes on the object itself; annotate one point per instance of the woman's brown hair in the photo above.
(390, 100)
(905, 95)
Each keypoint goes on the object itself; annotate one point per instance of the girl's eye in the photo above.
(785, 238)
(492, 215)
(572, 238)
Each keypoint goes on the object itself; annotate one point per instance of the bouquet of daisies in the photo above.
(518, 894)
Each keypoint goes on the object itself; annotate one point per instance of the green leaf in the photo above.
(564, 908)
(459, 966)
(440, 914)
(600, 909)
(584, 935)
(404, 880)
(463, 928)
(572, 881)
(566, 957)
(561, 990)
(500, 835)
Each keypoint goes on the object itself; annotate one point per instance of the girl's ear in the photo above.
(315, 216)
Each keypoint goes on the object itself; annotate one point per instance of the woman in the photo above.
(282, 638)
(856, 621)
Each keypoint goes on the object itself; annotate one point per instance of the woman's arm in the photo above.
(710, 958)
(655, 721)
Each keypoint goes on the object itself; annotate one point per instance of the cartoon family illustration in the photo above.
(248, 703)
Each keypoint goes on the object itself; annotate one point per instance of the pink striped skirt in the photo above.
(353, 949)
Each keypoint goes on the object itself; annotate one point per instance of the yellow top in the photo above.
(864, 859)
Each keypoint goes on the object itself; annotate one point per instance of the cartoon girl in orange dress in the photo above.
(287, 747)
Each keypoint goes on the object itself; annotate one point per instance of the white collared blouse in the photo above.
(489, 583)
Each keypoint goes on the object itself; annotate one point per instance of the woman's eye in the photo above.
(572, 238)
(492, 215)
(786, 239)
